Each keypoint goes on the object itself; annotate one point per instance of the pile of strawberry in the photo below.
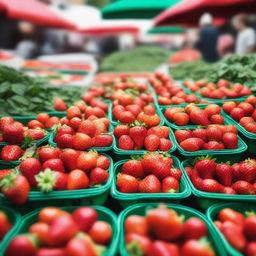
(83, 128)
(170, 93)
(5, 224)
(213, 137)
(137, 136)
(223, 89)
(193, 114)
(43, 121)
(239, 230)
(209, 176)
(54, 169)
(243, 112)
(163, 232)
(61, 233)
(151, 173)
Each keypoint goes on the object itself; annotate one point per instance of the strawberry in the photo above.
(49, 180)
(5, 224)
(29, 168)
(64, 140)
(11, 153)
(54, 164)
(224, 173)
(51, 122)
(81, 141)
(149, 160)
(213, 145)
(182, 135)
(120, 130)
(74, 122)
(160, 169)
(103, 140)
(5, 121)
(137, 242)
(138, 133)
(25, 244)
(230, 140)
(247, 171)
(199, 117)
(5, 172)
(35, 134)
(42, 117)
(51, 252)
(127, 183)
(125, 142)
(77, 179)
(206, 167)
(133, 168)
(59, 104)
(228, 190)
(150, 184)
(33, 124)
(243, 187)
(175, 173)
(200, 133)
(151, 142)
(98, 176)
(165, 144)
(237, 113)
(65, 129)
(214, 133)
(103, 162)
(211, 186)
(192, 144)
(13, 133)
(61, 230)
(87, 127)
(87, 160)
(159, 131)
(16, 188)
(217, 119)
(69, 158)
(170, 185)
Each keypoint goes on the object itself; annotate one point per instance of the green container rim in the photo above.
(119, 151)
(184, 193)
(15, 218)
(213, 210)
(115, 122)
(215, 240)
(240, 128)
(72, 194)
(190, 126)
(208, 195)
(101, 209)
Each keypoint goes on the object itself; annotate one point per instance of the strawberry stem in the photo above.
(46, 180)
(134, 249)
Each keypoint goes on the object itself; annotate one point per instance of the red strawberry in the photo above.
(243, 187)
(163, 248)
(228, 190)
(64, 140)
(13, 133)
(214, 133)
(50, 252)
(77, 179)
(103, 162)
(159, 131)
(133, 168)
(127, 183)
(25, 244)
(200, 133)
(206, 167)
(199, 117)
(103, 140)
(217, 119)
(150, 184)
(69, 158)
(236, 171)
(16, 188)
(5, 224)
(192, 144)
(59, 104)
(65, 129)
(196, 180)
(87, 160)
(120, 130)
(160, 169)
(52, 121)
(247, 171)
(237, 113)
(170, 185)
(54, 164)
(165, 144)
(230, 140)
(182, 135)
(151, 142)
(6, 120)
(176, 173)
(87, 127)
(33, 124)
(81, 141)
(213, 145)
(29, 168)
(224, 173)
(98, 176)
(212, 186)
(35, 134)
(125, 142)
(142, 243)
(138, 134)
(11, 153)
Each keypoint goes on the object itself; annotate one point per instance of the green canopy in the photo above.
(166, 30)
(136, 9)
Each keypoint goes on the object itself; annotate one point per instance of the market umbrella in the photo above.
(35, 12)
(188, 12)
(166, 30)
(136, 9)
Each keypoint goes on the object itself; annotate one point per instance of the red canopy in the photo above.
(35, 12)
(98, 30)
(188, 12)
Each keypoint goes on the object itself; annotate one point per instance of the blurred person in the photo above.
(246, 39)
(8, 32)
(208, 38)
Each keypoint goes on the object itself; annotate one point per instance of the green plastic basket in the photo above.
(119, 151)
(14, 218)
(104, 214)
(141, 209)
(97, 195)
(190, 126)
(206, 199)
(248, 137)
(127, 199)
(212, 213)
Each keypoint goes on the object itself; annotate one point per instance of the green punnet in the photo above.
(46, 180)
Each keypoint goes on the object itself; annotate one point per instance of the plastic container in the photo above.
(96, 195)
(212, 213)
(119, 151)
(127, 199)
(103, 214)
(206, 199)
(248, 137)
(14, 218)
(141, 209)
